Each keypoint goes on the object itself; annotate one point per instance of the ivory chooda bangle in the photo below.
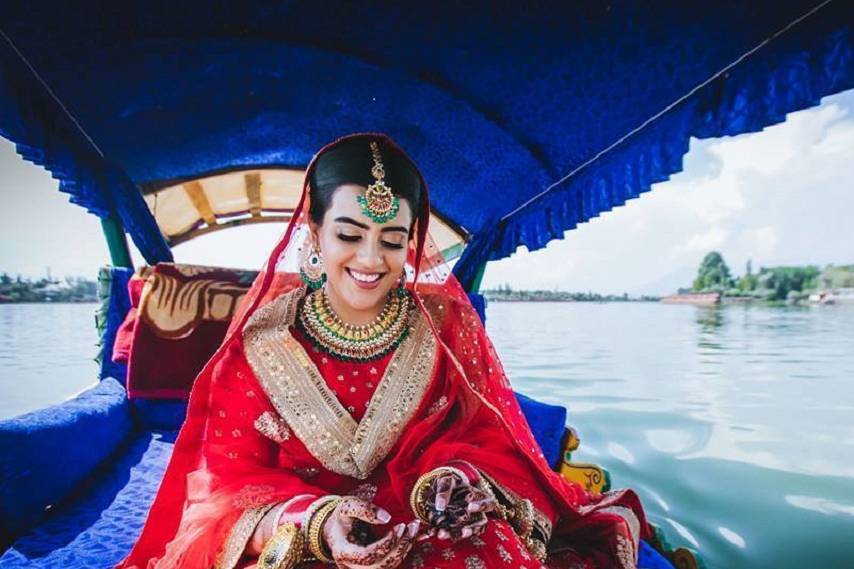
(284, 549)
(313, 507)
(315, 543)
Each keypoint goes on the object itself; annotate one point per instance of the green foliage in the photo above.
(43, 290)
(772, 284)
(713, 274)
(747, 283)
(779, 282)
(836, 277)
(506, 294)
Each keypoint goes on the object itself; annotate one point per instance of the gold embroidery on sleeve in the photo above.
(239, 537)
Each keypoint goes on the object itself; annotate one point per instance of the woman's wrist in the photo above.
(284, 550)
(314, 520)
(471, 472)
(290, 511)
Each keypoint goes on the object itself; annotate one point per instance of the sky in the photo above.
(782, 196)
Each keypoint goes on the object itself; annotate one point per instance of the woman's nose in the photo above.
(370, 254)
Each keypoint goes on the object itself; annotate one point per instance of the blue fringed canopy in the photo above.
(527, 118)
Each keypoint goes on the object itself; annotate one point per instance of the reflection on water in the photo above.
(735, 424)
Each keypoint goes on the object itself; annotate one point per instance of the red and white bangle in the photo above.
(293, 510)
(471, 475)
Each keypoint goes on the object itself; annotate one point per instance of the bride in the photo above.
(357, 414)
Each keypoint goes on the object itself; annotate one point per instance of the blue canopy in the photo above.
(526, 118)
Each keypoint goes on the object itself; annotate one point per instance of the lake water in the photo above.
(47, 354)
(735, 424)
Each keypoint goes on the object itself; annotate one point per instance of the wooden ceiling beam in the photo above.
(197, 196)
(253, 192)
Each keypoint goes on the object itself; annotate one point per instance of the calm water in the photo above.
(736, 425)
(47, 354)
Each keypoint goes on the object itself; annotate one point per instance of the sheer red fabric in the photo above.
(450, 401)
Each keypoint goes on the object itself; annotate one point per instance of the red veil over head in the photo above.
(473, 416)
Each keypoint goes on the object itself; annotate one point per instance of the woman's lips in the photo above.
(364, 282)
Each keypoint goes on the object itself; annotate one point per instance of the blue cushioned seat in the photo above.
(99, 527)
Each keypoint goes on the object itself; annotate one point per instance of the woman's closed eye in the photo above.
(354, 238)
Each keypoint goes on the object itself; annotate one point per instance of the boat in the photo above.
(694, 298)
(173, 120)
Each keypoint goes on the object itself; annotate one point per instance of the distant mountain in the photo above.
(667, 284)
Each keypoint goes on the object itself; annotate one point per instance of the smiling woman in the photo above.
(363, 250)
(360, 416)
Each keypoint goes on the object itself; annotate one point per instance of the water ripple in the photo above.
(720, 418)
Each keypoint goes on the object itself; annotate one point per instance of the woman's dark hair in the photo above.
(350, 163)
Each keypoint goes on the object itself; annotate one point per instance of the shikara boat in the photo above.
(173, 120)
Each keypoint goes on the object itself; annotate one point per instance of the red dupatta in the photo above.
(467, 411)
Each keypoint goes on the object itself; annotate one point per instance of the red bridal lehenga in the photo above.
(272, 419)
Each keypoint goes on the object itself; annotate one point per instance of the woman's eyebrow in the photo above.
(399, 228)
(352, 221)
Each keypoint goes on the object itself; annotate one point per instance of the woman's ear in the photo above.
(314, 238)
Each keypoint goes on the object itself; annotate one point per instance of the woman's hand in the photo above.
(455, 509)
(348, 535)
(264, 531)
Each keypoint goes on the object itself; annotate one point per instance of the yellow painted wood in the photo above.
(197, 196)
(591, 477)
(253, 192)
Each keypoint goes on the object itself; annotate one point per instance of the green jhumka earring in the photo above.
(401, 285)
(378, 202)
(311, 270)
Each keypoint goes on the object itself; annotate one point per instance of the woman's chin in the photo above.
(365, 299)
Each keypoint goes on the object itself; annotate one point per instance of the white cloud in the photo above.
(701, 242)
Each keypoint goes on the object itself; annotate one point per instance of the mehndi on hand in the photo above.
(348, 534)
(453, 508)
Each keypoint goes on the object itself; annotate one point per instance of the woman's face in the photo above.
(363, 259)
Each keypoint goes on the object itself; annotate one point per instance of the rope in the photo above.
(50, 92)
(664, 111)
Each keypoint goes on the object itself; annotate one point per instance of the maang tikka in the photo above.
(311, 270)
(378, 202)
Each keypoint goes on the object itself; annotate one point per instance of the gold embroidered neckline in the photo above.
(311, 409)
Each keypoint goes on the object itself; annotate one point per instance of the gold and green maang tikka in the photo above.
(378, 202)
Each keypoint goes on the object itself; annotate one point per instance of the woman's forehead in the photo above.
(344, 204)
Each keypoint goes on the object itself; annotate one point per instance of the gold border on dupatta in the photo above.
(239, 536)
(300, 394)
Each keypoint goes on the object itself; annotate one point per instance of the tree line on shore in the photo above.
(69, 289)
(773, 284)
(505, 293)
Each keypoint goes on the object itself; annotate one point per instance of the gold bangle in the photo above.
(316, 522)
(537, 548)
(284, 549)
(418, 495)
(313, 507)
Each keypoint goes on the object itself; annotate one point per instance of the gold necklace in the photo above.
(351, 342)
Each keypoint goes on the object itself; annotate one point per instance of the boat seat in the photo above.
(100, 525)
